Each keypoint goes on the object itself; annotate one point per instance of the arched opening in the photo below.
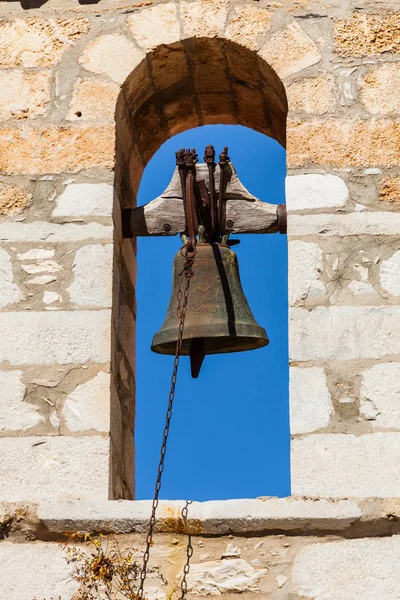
(178, 87)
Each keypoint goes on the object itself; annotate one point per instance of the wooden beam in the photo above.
(165, 215)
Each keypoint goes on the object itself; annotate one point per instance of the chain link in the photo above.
(182, 300)
(189, 551)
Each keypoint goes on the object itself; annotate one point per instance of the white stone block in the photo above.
(35, 570)
(155, 26)
(113, 55)
(92, 268)
(88, 407)
(41, 280)
(215, 578)
(83, 199)
(344, 332)
(305, 267)
(50, 297)
(357, 223)
(9, 291)
(310, 401)
(380, 395)
(42, 231)
(390, 274)
(61, 468)
(361, 569)
(55, 337)
(315, 191)
(344, 465)
(15, 414)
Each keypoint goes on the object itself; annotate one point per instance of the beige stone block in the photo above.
(390, 191)
(58, 467)
(56, 149)
(344, 143)
(348, 569)
(248, 25)
(344, 466)
(23, 95)
(315, 95)
(13, 199)
(204, 18)
(35, 569)
(113, 55)
(380, 89)
(92, 270)
(93, 99)
(155, 26)
(368, 34)
(35, 42)
(88, 406)
(290, 50)
(305, 268)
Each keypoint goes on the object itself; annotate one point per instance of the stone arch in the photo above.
(176, 87)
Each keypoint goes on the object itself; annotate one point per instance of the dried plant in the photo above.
(101, 568)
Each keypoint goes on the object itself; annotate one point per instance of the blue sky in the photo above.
(230, 428)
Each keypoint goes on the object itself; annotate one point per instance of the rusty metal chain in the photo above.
(189, 551)
(182, 300)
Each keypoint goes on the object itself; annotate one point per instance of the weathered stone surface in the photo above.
(380, 395)
(390, 191)
(24, 95)
(13, 199)
(368, 34)
(345, 465)
(15, 414)
(37, 254)
(51, 297)
(214, 517)
(310, 401)
(35, 42)
(83, 199)
(88, 407)
(345, 570)
(58, 467)
(204, 18)
(314, 95)
(390, 274)
(41, 231)
(290, 51)
(55, 337)
(214, 578)
(315, 191)
(344, 143)
(93, 100)
(46, 266)
(92, 270)
(56, 149)
(112, 55)
(155, 26)
(364, 223)
(380, 89)
(41, 280)
(362, 288)
(248, 25)
(34, 569)
(9, 291)
(344, 332)
(305, 267)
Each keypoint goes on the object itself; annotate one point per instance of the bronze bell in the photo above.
(218, 317)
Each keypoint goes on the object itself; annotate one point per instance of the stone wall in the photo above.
(89, 93)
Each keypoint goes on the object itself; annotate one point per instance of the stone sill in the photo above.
(247, 517)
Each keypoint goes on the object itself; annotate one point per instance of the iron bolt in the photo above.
(229, 223)
(167, 227)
